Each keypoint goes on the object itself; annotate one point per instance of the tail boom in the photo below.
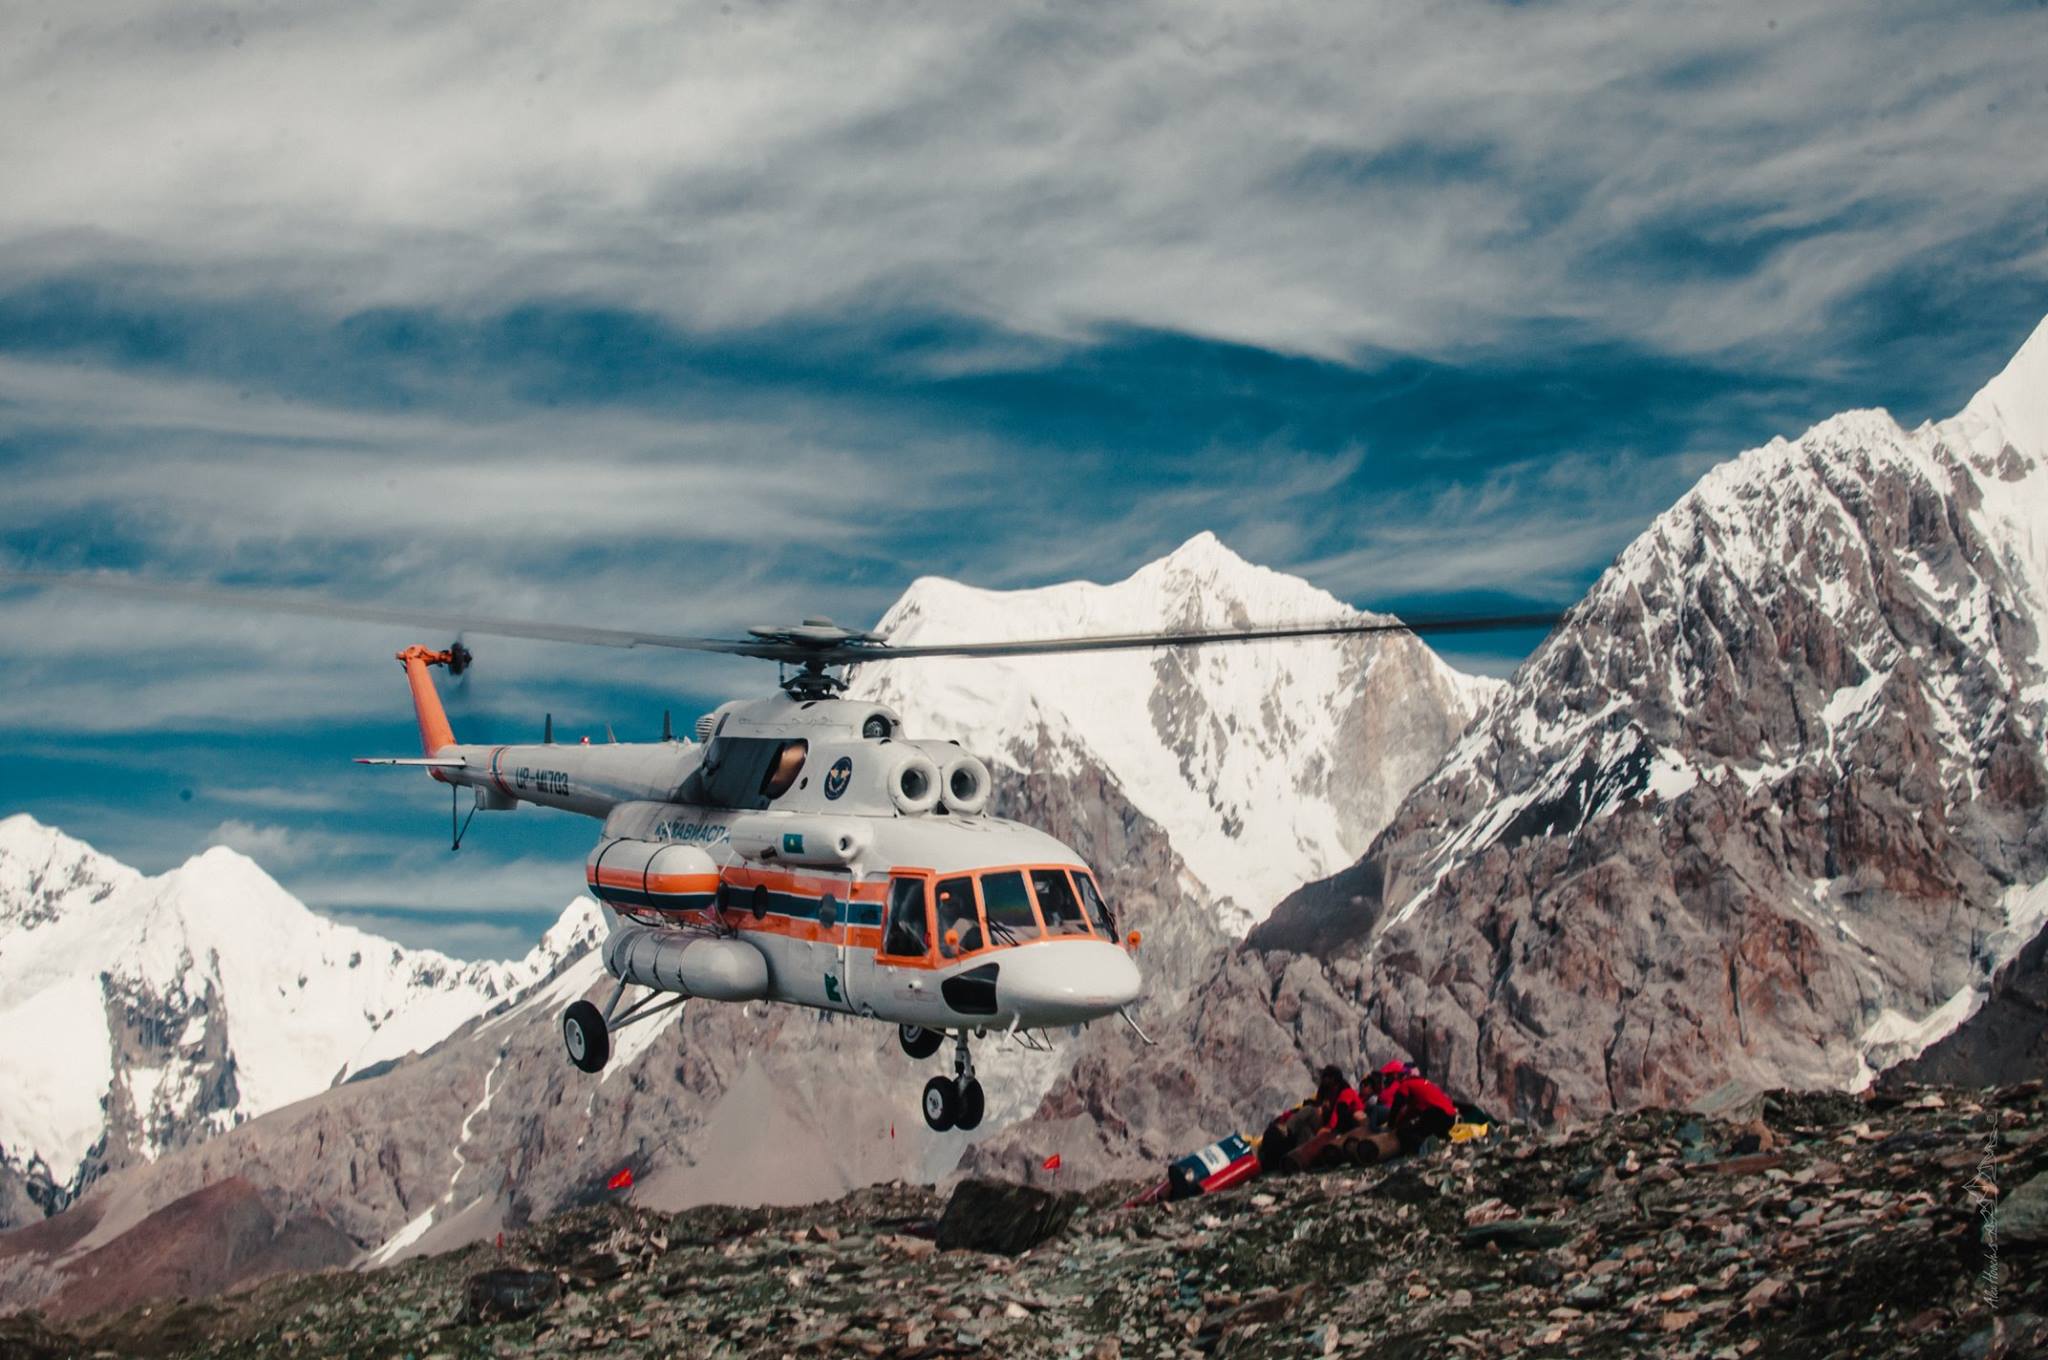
(435, 733)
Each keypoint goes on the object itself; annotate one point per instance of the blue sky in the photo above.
(689, 317)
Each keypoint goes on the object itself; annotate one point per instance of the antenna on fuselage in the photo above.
(547, 731)
(668, 730)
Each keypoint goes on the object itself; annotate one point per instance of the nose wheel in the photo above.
(954, 1102)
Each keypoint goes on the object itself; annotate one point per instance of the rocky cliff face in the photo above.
(1767, 809)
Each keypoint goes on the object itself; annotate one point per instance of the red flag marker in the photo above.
(1051, 1163)
(622, 1181)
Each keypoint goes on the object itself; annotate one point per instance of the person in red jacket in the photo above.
(1418, 1109)
(1346, 1109)
(1376, 1095)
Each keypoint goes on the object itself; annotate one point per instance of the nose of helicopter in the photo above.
(1066, 983)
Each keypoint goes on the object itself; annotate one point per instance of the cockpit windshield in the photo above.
(995, 908)
(1010, 918)
(1098, 910)
(1057, 903)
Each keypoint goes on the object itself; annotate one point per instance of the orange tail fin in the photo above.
(435, 733)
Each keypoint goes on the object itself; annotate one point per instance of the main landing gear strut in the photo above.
(953, 1102)
(587, 1031)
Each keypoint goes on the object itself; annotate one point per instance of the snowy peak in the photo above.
(1266, 764)
(198, 999)
(2016, 401)
(45, 874)
(1202, 583)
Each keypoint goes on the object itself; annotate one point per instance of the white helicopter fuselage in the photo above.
(805, 852)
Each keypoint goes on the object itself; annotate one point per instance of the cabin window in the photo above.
(956, 913)
(1057, 903)
(1008, 901)
(783, 769)
(1098, 910)
(907, 919)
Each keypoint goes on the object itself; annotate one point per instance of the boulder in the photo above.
(507, 1295)
(2023, 1215)
(1005, 1219)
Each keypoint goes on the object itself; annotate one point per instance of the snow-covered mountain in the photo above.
(1263, 764)
(1769, 808)
(1827, 668)
(152, 1012)
(1266, 765)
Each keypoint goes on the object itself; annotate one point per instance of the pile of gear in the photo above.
(1401, 1113)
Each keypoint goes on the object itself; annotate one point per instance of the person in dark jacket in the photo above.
(1336, 1095)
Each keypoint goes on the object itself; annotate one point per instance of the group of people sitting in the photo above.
(1397, 1113)
(1397, 1099)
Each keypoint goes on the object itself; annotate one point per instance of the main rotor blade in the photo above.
(1114, 642)
(273, 603)
(791, 650)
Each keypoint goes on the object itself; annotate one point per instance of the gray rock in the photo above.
(2023, 1215)
(1517, 1234)
(506, 1295)
(1007, 1220)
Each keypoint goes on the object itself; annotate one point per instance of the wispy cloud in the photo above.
(697, 316)
(1314, 179)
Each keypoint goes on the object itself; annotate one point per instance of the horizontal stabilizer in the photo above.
(431, 762)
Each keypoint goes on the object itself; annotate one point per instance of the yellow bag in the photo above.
(1465, 1133)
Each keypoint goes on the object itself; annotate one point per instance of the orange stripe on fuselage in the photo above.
(667, 884)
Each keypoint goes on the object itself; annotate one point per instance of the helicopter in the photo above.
(804, 848)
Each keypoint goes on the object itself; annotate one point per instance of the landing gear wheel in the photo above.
(941, 1104)
(970, 1104)
(585, 1036)
(918, 1041)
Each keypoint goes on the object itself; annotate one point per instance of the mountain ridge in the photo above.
(193, 1000)
(1765, 810)
(1232, 748)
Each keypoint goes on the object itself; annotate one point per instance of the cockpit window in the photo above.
(1010, 918)
(906, 935)
(1057, 903)
(1098, 910)
(956, 912)
(782, 770)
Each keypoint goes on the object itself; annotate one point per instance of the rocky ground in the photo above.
(1826, 1225)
